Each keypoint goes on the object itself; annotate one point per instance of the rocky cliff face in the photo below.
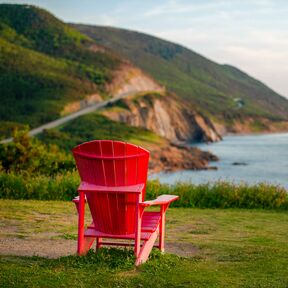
(130, 80)
(163, 114)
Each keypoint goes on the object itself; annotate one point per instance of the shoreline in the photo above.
(253, 134)
(175, 157)
(256, 159)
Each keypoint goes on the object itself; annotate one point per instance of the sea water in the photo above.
(250, 159)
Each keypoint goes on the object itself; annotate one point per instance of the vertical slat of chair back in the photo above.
(120, 176)
(131, 179)
(112, 213)
(108, 200)
(143, 162)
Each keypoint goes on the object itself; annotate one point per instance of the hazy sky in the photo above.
(249, 34)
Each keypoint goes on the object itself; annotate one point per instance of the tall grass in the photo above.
(22, 186)
(223, 195)
(210, 195)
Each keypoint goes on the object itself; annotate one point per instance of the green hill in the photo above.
(221, 91)
(44, 65)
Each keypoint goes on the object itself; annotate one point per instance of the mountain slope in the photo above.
(48, 69)
(221, 91)
(44, 65)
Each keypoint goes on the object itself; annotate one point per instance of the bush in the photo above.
(27, 155)
(222, 195)
(216, 195)
(41, 187)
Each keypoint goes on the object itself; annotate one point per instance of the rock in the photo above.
(239, 163)
(172, 158)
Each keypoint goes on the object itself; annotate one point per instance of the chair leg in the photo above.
(146, 249)
(81, 213)
(138, 230)
(162, 229)
(98, 243)
(137, 241)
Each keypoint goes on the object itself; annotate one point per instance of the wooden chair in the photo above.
(113, 183)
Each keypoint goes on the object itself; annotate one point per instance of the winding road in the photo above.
(62, 120)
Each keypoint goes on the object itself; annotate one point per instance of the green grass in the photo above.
(234, 248)
(217, 195)
(223, 195)
(40, 187)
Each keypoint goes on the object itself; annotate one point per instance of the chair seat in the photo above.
(150, 223)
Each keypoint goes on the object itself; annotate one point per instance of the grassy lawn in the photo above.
(217, 248)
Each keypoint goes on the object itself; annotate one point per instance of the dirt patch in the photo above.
(129, 79)
(57, 248)
(37, 247)
(183, 249)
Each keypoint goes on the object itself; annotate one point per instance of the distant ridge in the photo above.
(221, 91)
(49, 69)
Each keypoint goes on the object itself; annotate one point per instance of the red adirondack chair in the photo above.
(113, 182)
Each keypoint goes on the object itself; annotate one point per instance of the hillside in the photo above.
(49, 70)
(44, 65)
(222, 92)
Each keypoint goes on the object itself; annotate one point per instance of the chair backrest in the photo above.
(112, 163)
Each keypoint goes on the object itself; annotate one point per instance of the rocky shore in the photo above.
(177, 157)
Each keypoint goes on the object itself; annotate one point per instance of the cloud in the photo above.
(182, 7)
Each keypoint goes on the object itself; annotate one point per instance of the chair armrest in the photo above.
(87, 187)
(161, 200)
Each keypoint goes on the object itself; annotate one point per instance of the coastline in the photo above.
(243, 159)
(262, 133)
(175, 157)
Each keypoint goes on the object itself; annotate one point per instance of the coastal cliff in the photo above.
(175, 120)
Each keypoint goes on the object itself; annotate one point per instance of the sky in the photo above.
(249, 34)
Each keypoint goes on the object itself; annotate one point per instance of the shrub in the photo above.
(41, 187)
(27, 155)
(217, 195)
(222, 195)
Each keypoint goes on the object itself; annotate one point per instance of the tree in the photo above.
(33, 156)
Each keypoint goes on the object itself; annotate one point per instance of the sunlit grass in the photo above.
(234, 248)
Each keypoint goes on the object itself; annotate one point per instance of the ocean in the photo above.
(250, 159)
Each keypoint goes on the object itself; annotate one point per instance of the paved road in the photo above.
(60, 121)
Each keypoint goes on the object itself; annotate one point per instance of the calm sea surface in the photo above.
(263, 158)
